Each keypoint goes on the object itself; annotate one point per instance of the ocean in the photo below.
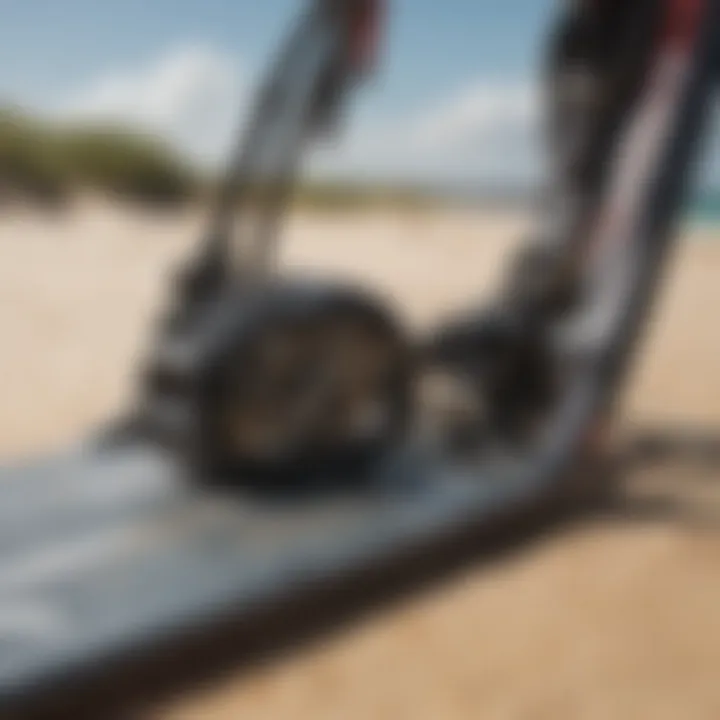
(704, 209)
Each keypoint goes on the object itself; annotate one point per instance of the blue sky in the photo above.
(456, 98)
(49, 45)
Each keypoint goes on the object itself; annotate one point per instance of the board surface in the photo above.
(103, 553)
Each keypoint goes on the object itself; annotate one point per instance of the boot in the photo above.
(598, 59)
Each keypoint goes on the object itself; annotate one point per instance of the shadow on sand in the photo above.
(668, 475)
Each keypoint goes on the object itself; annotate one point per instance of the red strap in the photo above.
(365, 34)
(682, 23)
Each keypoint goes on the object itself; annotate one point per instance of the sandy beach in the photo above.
(614, 617)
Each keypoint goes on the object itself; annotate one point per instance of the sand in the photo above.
(612, 617)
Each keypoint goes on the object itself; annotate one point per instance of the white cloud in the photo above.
(476, 114)
(192, 95)
(195, 96)
(487, 132)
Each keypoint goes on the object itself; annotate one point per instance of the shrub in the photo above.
(126, 164)
(31, 166)
(45, 162)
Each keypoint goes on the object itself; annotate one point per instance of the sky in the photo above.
(456, 98)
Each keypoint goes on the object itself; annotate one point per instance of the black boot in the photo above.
(596, 66)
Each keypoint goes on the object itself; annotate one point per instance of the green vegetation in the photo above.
(48, 162)
(125, 164)
(30, 166)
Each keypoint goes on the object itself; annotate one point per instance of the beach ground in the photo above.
(611, 617)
